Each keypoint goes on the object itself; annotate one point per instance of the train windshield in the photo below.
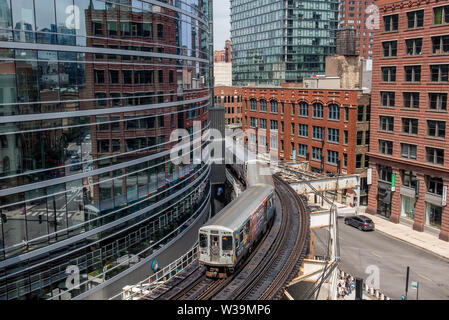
(226, 244)
(203, 240)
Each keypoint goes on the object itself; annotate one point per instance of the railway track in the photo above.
(267, 271)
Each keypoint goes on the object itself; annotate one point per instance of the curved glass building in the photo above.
(90, 93)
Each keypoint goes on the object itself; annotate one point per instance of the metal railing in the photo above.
(144, 287)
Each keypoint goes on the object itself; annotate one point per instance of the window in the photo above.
(99, 76)
(333, 135)
(332, 157)
(386, 123)
(293, 129)
(226, 243)
(359, 161)
(441, 15)
(127, 76)
(437, 101)
(347, 114)
(440, 44)
(262, 123)
(114, 77)
(203, 240)
(388, 74)
(434, 215)
(253, 105)
(334, 112)
(303, 130)
(435, 156)
(316, 153)
(317, 111)
(103, 146)
(409, 179)
(390, 48)
(436, 129)
(412, 73)
(303, 109)
(160, 30)
(293, 109)
(435, 185)
(263, 106)
(359, 138)
(408, 151)
(253, 122)
(385, 173)
(102, 127)
(160, 121)
(413, 47)
(100, 98)
(345, 160)
(273, 124)
(386, 147)
(415, 19)
(409, 126)
(360, 113)
(439, 73)
(302, 150)
(391, 23)
(387, 99)
(345, 137)
(274, 106)
(317, 133)
(411, 99)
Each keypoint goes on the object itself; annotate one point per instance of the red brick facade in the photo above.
(353, 116)
(430, 170)
(231, 99)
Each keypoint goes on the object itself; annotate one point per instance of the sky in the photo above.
(222, 25)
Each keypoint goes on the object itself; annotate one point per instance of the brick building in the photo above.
(327, 127)
(231, 99)
(225, 54)
(408, 157)
(354, 14)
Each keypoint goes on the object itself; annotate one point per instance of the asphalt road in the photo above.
(374, 250)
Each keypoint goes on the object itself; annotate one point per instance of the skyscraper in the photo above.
(90, 93)
(281, 41)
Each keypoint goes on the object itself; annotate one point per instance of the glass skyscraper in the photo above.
(90, 92)
(281, 41)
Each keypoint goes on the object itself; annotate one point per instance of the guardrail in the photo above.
(144, 287)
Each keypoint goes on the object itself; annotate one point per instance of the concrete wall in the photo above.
(223, 74)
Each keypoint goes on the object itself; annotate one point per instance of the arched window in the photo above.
(253, 105)
(263, 106)
(274, 106)
(303, 109)
(317, 110)
(334, 112)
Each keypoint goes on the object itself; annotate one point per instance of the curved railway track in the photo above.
(268, 269)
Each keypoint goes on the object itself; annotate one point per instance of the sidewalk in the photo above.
(405, 233)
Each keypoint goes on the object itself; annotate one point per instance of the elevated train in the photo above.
(226, 240)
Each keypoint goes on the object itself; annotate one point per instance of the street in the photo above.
(372, 249)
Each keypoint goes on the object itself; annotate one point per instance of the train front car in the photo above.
(216, 251)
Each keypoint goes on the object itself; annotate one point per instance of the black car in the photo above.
(361, 222)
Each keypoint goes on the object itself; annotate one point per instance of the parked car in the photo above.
(361, 222)
(75, 165)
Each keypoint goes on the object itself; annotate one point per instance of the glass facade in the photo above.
(281, 41)
(90, 93)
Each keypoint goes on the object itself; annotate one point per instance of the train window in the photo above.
(203, 240)
(242, 236)
(236, 240)
(226, 244)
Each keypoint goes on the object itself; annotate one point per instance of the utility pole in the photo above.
(406, 282)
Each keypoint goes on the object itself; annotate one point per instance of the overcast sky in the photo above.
(222, 25)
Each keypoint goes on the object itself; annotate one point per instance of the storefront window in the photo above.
(384, 202)
(433, 215)
(407, 207)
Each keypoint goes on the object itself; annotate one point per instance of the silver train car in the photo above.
(228, 238)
